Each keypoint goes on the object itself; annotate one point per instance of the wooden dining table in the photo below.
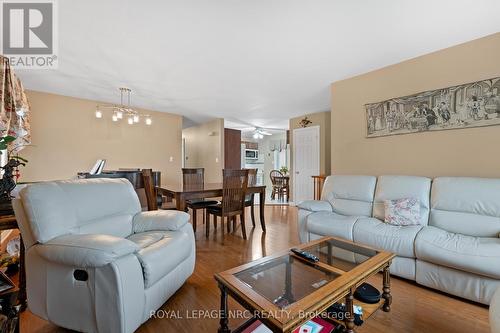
(209, 190)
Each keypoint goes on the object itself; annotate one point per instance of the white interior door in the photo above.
(305, 162)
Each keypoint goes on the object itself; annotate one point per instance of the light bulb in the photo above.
(256, 135)
(98, 114)
(136, 118)
(130, 120)
(114, 117)
(149, 121)
(119, 114)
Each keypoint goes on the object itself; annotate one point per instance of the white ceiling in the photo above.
(254, 62)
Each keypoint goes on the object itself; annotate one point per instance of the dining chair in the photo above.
(278, 183)
(194, 179)
(286, 188)
(250, 198)
(154, 201)
(234, 186)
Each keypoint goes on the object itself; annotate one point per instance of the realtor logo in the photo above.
(29, 33)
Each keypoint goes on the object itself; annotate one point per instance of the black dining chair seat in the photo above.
(199, 203)
(215, 207)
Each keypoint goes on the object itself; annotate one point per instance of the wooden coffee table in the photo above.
(284, 291)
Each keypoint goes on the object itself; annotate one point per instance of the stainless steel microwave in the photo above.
(251, 154)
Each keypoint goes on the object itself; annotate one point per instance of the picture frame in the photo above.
(474, 104)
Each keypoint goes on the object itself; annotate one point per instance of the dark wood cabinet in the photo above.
(251, 145)
(232, 148)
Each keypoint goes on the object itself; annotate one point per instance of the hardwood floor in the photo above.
(414, 309)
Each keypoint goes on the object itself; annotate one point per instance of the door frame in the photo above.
(294, 159)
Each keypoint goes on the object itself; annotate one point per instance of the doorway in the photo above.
(306, 162)
(266, 153)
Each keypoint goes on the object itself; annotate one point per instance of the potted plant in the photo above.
(284, 170)
(10, 175)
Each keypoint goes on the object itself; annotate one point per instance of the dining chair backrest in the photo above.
(149, 189)
(234, 187)
(276, 178)
(252, 177)
(252, 181)
(193, 178)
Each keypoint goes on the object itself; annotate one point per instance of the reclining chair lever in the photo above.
(80, 275)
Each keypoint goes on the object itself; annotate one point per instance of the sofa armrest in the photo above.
(84, 251)
(168, 220)
(316, 206)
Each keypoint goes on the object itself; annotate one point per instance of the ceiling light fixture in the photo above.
(259, 133)
(133, 116)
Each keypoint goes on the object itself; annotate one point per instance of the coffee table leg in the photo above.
(349, 308)
(223, 328)
(387, 289)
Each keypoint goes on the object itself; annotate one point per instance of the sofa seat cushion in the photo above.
(396, 239)
(331, 224)
(160, 257)
(479, 255)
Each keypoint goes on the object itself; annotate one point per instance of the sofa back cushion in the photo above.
(350, 195)
(79, 206)
(401, 187)
(468, 206)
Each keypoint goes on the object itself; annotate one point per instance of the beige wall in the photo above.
(67, 138)
(461, 152)
(204, 148)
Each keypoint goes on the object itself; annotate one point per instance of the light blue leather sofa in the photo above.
(455, 248)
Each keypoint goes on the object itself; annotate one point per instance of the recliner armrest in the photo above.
(316, 206)
(88, 250)
(158, 220)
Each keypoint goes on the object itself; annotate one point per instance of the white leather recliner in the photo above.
(94, 261)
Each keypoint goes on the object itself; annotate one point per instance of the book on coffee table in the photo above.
(315, 325)
(257, 327)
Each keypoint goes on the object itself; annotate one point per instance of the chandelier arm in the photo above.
(118, 110)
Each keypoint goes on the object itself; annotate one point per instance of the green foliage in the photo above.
(284, 170)
(4, 141)
(4, 144)
(20, 159)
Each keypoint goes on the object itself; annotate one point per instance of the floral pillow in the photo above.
(402, 211)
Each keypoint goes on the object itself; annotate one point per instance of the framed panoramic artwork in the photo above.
(473, 104)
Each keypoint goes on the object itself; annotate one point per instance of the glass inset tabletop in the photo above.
(285, 280)
(339, 254)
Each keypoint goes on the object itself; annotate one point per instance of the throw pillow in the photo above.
(402, 211)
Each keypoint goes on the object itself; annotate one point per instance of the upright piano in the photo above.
(133, 175)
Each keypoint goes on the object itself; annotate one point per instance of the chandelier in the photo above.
(122, 111)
